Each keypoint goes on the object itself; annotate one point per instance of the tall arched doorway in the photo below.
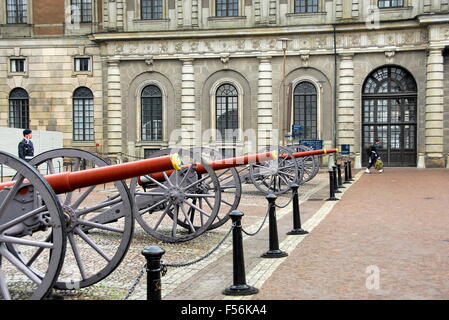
(389, 102)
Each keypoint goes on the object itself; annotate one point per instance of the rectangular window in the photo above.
(82, 64)
(151, 9)
(390, 3)
(305, 6)
(81, 11)
(227, 8)
(16, 11)
(18, 65)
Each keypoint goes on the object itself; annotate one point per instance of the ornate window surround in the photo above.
(138, 122)
(319, 92)
(213, 115)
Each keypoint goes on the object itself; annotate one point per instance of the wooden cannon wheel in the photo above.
(99, 225)
(182, 205)
(275, 176)
(32, 233)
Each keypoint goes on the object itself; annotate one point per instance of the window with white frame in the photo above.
(151, 9)
(306, 6)
(81, 10)
(227, 8)
(305, 109)
(19, 113)
(83, 114)
(17, 65)
(151, 113)
(16, 11)
(82, 64)
(226, 111)
(390, 3)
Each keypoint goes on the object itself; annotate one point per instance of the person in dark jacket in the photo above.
(26, 148)
(373, 153)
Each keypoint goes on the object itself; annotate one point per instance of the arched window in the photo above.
(305, 109)
(19, 113)
(83, 114)
(389, 113)
(226, 105)
(151, 100)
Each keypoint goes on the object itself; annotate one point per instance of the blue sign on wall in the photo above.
(345, 149)
(296, 130)
(314, 144)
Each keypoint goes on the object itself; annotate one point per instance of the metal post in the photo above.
(153, 254)
(296, 214)
(339, 179)
(1, 167)
(350, 171)
(334, 168)
(346, 173)
(274, 251)
(239, 288)
(331, 187)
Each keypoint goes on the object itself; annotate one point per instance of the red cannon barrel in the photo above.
(314, 152)
(70, 181)
(221, 164)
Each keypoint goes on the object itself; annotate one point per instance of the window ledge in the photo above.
(151, 21)
(230, 18)
(82, 73)
(151, 143)
(306, 14)
(393, 9)
(83, 143)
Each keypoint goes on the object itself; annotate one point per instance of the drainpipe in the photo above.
(334, 127)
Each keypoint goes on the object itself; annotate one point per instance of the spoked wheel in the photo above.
(100, 221)
(275, 176)
(230, 185)
(181, 205)
(310, 165)
(32, 233)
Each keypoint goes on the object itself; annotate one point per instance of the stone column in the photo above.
(345, 110)
(187, 103)
(114, 109)
(434, 109)
(265, 104)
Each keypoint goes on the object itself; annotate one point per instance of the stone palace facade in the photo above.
(118, 76)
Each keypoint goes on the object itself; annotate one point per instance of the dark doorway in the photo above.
(389, 102)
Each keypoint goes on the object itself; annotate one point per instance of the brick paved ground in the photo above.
(396, 222)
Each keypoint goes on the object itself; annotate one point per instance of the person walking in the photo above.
(373, 153)
(26, 147)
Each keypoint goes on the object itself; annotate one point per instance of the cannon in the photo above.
(40, 214)
(270, 171)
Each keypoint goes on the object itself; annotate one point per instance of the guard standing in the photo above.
(26, 148)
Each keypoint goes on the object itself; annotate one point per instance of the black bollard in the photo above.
(331, 187)
(339, 179)
(350, 171)
(346, 173)
(296, 214)
(334, 168)
(239, 288)
(153, 254)
(274, 251)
